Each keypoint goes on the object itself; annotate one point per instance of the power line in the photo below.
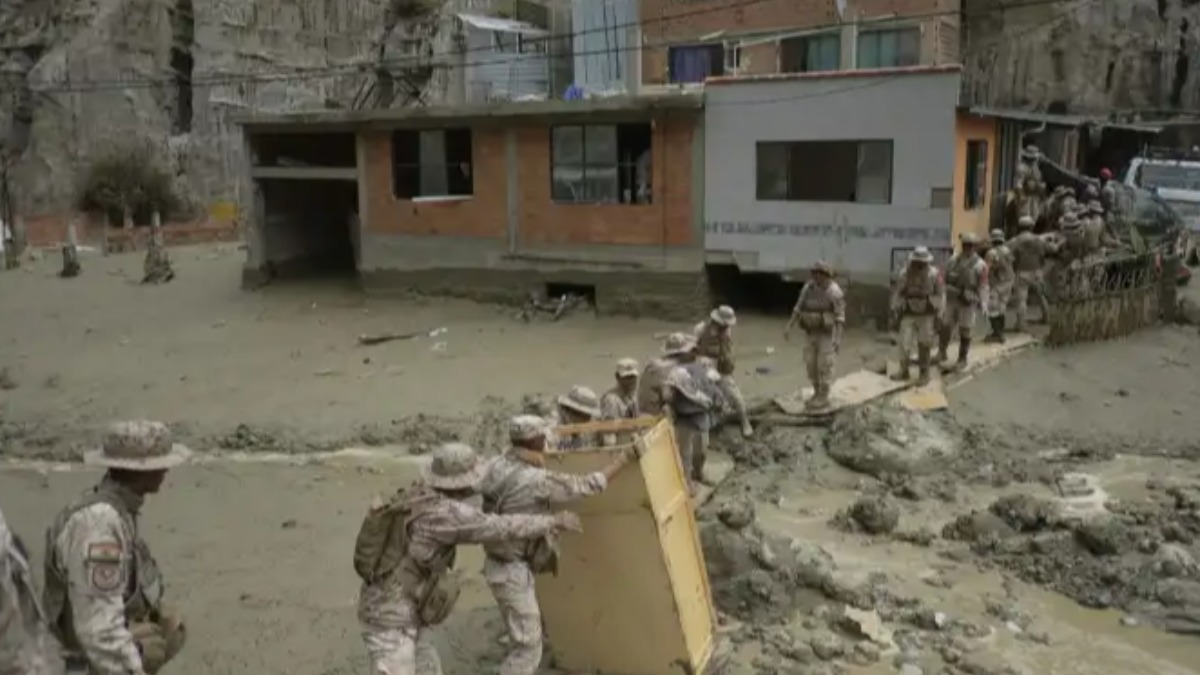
(361, 66)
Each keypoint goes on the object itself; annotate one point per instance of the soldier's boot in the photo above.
(905, 371)
(943, 346)
(996, 336)
(964, 348)
(1000, 321)
(922, 366)
(820, 398)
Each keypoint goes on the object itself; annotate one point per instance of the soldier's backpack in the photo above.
(382, 538)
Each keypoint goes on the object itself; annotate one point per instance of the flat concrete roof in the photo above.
(834, 74)
(337, 120)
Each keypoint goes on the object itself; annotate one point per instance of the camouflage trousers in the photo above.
(818, 358)
(401, 651)
(693, 449)
(959, 316)
(1026, 283)
(915, 331)
(733, 395)
(998, 298)
(512, 586)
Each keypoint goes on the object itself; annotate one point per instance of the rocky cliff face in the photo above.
(93, 73)
(1084, 56)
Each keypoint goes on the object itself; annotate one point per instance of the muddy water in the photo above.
(1081, 641)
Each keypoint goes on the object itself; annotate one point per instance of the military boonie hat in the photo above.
(823, 267)
(1025, 221)
(454, 466)
(723, 315)
(139, 445)
(997, 236)
(581, 399)
(627, 367)
(1095, 206)
(527, 427)
(920, 254)
(678, 343)
(968, 238)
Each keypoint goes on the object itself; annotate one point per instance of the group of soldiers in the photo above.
(102, 610)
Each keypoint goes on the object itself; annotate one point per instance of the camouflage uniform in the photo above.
(516, 483)
(398, 642)
(650, 398)
(104, 591)
(1001, 278)
(693, 394)
(26, 647)
(917, 297)
(966, 281)
(618, 403)
(584, 404)
(714, 340)
(1029, 259)
(821, 312)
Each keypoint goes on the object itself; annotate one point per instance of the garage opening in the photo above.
(748, 291)
(310, 227)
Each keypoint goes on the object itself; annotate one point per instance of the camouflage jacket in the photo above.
(820, 309)
(517, 484)
(716, 343)
(443, 524)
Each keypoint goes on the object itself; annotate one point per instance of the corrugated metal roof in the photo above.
(1059, 120)
(499, 25)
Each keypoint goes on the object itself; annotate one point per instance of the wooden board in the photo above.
(926, 398)
(632, 595)
(854, 389)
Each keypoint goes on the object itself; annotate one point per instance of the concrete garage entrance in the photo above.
(307, 198)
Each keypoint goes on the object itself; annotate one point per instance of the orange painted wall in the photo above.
(972, 128)
(666, 221)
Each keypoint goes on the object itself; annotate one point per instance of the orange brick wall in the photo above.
(666, 22)
(51, 232)
(484, 215)
(668, 220)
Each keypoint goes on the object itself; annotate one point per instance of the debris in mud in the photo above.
(7, 381)
(872, 514)
(881, 441)
(1024, 513)
(246, 437)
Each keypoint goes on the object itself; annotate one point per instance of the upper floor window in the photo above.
(810, 53)
(600, 163)
(695, 63)
(889, 48)
(824, 171)
(431, 163)
(975, 177)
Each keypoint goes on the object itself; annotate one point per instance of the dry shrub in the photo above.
(129, 176)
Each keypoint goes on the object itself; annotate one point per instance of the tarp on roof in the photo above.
(494, 23)
(1059, 120)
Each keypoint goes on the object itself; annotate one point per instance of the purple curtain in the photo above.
(690, 64)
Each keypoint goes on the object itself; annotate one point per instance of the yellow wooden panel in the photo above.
(632, 595)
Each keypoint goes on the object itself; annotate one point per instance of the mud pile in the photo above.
(1137, 557)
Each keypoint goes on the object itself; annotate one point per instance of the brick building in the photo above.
(688, 41)
(488, 202)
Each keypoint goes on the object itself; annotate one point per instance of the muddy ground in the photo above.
(966, 541)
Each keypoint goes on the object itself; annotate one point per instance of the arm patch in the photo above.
(106, 574)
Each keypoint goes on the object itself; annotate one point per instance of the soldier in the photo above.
(1001, 277)
(1095, 231)
(620, 402)
(1108, 190)
(518, 483)
(917, 300)
(693, 395)
(1029, 260)
(579, 406)
(104, 591)
(714, 339)
(26, 646)
(1031, 158)
(966, 282)
(400, 602)
(650, 399)
(821, 312)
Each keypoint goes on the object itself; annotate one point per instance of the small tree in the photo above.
(129, 178)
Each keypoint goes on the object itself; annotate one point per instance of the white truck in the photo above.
(1174, 175)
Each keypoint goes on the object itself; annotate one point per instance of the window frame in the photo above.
(791, 147)
(619, 166)
(876, 34)
(975, 176)
(717, 65)
(806, 41)
(403, 170)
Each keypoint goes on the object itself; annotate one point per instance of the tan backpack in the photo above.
(382, 539)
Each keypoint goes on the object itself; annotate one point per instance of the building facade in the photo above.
(686, 42)
(489, 202)
(854, 168)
